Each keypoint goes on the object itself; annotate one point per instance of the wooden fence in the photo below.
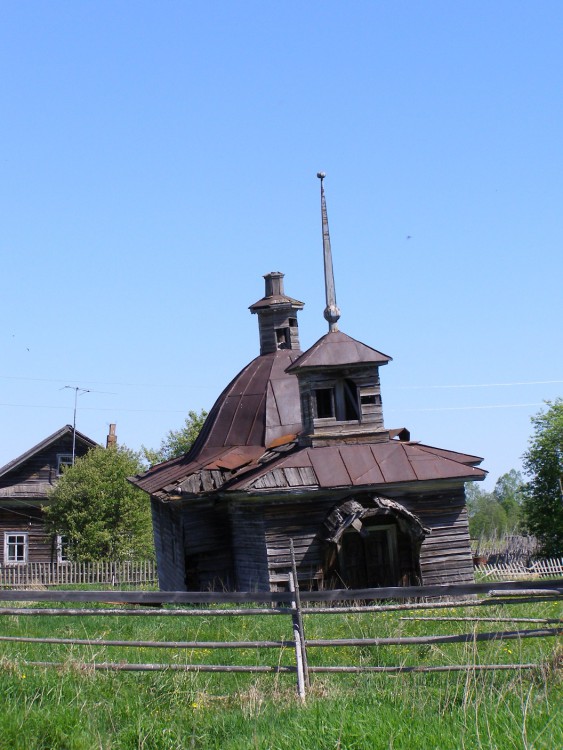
(519, 571)
(296, 605)
(69, 573)
(507, 548)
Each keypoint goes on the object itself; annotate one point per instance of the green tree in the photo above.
(543, 462)
(103, 516)
(509, 492)
(176, 442)
(492, 514)
(487, 517)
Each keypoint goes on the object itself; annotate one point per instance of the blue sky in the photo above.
(157, 159)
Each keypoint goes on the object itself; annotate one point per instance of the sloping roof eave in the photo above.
(44, 444)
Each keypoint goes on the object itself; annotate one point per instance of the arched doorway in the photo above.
(372, 544)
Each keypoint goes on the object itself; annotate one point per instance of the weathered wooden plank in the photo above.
(195, 597)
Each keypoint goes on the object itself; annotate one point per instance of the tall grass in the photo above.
(76, 708)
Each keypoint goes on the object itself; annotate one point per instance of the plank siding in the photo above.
(25, 484)
(245, 545)
(445, 555)
(249, 552)
(206, 541)
(169, 550)
(40, 544)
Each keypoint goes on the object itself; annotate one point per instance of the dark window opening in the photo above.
(351, 411)
(325, 403)
(292, 322)
(283, 338)
(63, 461)
(191, 573)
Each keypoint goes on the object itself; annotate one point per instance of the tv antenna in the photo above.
(77, 391)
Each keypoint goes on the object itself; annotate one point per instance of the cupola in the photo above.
(277, 316)
(338, 377)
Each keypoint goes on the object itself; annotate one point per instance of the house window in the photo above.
(61, 543)
(324, 402)
(15, 548)
(63, 460)
(283, 338)
(340, 402)
(349, 408)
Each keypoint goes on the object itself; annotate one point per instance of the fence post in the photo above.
(297, 637)
(299, 614)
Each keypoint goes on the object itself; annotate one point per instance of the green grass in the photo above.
(72, 708)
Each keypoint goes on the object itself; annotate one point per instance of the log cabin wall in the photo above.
(445, 556)
(41, 468)
(206, 541)
(263, 531)
(250, 555)
(40, 544)
(300, 521)
(167, 531)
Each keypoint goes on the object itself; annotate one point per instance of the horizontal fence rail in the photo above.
(289, 604)
(546, 588)
(133, 573)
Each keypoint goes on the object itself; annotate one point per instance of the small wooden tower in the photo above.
(295, 448)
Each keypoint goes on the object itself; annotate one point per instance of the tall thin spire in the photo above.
(331, 312)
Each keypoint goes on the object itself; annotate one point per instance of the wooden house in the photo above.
(295, 448)
(24, 486)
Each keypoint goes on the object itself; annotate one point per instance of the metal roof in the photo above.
(337, 349)
(367, 464)
(259, 407)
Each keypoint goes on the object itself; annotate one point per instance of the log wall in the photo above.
(29, 521)
(166, 523)
(41, 467)
(246, 545)
(445, 556)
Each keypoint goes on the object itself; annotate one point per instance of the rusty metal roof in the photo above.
(367, 464)
(259, 407)
(336, 466)
(337, 349)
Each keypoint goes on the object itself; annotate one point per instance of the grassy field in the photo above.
(77, 708)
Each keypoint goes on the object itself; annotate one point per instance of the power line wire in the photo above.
(388, 387)
(183, 411)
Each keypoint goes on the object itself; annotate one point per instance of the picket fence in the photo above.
(69, 573)
(519, 571)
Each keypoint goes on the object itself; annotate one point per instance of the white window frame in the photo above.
(61, 546)
(63, 459)
(23, 540)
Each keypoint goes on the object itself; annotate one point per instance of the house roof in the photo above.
(258, 408)
(288, 466)
(66, 430)
(337, 349)
(278, 299)
(360, 465)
